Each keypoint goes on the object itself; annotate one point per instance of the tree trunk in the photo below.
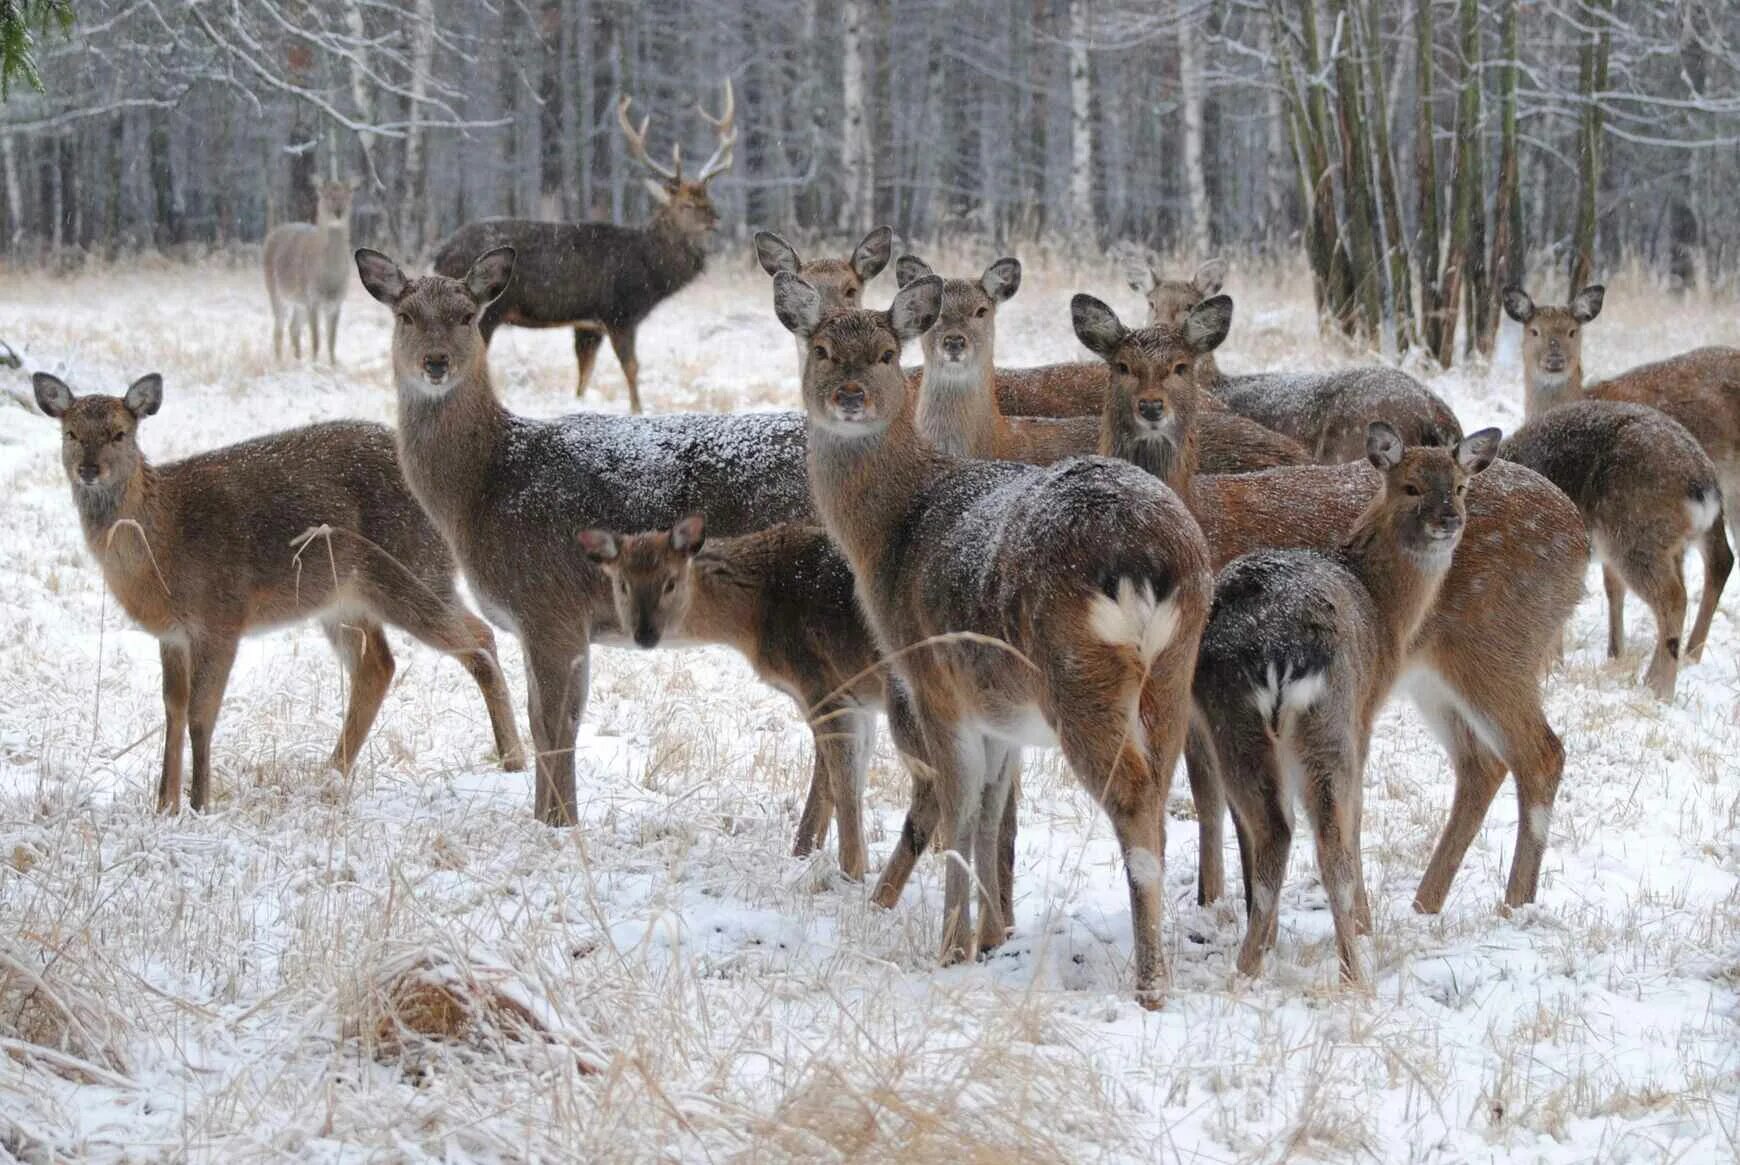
(1428, 241)
(1395, 238)
(1507, 215)
(1361, 218)
(1081, 157)
(855, 203)
(1592, 78)
(1196, 178)
(14, 193)
(415, 215)
(1471, 167)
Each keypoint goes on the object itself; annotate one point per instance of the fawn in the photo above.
(957, 396)
(1647, 492)
(1475, 666)
(1016, 604)
(783, 598)
(507, 492)
(841, 281)
(1300, 653)
(203, 551)
(308, 272)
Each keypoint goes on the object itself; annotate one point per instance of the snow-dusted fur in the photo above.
(1648, 493)
(1301, 650)
(986, 584)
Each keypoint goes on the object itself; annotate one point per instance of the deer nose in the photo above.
(954, 344)
(435, 367)
(88, 473)
(1151, 410)
(646, 635)
(850, 396)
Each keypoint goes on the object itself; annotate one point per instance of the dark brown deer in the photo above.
(1299, 655)
(1016, 604)
(957, 397)
(783, 599)
(509, 492)
(597, 277)
(312, 523)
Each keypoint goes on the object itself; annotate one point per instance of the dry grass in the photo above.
(402, 965)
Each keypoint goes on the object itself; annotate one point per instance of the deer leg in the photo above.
(1251, 777)
(1662, 584)
(1615, 587)
(210, 675)
(438, 620)
(556, 674)
(622, 343)
(1205, 790)
(362, 649)
(987, 850)
(175, 699)
(277, 326)
(923, 811)
(296, 314)
(818, 805)
(1004, 764)
(960, 785)
(332, 334)
(587, 340)
(1330, 770)
(1718, 558)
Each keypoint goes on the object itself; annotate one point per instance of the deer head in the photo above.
(683, 202)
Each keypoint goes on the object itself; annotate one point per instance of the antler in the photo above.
(637, 144)
(725, 125)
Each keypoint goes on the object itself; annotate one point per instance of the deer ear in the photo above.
(1002, 279)
(797, 304)
(1518, 306)
(1210, 277)
(916, 307)
(1096, 325)
(381, 276)
(871, 255)
(144, 396)
(600, 545)
(775, 254)
(53, 396)
(661, 193)
(688, 535)
(489, 275)
(1208, 323)
(1383, 446)
(1477, 450)
(1586, 305)
(910, 269)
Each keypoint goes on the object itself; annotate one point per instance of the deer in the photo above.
(310, 523)
(1700, 389)
(1015, 604)
(600, 278)
(308, 271)
(1301, 650)
(507, 492)
(957, 397)
(841, 281)
(782, 598)
(1647, 491)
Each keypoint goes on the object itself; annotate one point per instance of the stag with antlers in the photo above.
(600, 278)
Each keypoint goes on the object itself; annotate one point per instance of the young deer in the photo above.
(841, 281)
(783, 599)
(308, 272)
(204, 551)
(1648, 493)
(1299, 655)
(1016, 605)
(507, 492)
(1700, 389)
(957, 397)
(597, 277)
(1475, 667)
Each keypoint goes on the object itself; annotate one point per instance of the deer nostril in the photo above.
(88, 472)
(1151, 410)
(435, 366)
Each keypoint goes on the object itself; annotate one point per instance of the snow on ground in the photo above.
(664, 982)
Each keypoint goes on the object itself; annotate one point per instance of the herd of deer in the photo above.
(1134, 558)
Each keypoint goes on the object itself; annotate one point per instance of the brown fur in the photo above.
(308, 272)
(1300, 653)
(1081, 624)
(1479, 656)
(508, 491)
(204, 551)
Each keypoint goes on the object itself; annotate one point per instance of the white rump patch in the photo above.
(1135, 619)
(1286, 691)
(1144, 866)
(1702, 511)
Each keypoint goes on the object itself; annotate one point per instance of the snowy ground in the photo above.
(217, 985)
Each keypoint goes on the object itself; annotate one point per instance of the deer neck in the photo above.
(1544, 390)
(957, 408)
(122, 529)
(1403, 583)
(1172, 458)
(864, 485)
(446, 442)
(725, 589)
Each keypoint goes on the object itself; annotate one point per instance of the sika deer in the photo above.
(507, 492)
(597, 277)
(1016, 605)
(1474, 669)
(1300, 653)
(1700, 389)
(308, 272)
(204, 551)
(841, 281)
(1647, 493)
(783, 599)
(957, 397)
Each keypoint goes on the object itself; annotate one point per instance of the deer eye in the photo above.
(1534, 331)
(1461, 489)
(981, 313)
(1123, 368)
(1182, 368)
(116, 438)
(670, 585)
(888, 356)
(851, 293)
(405, 318)
(1571, 334)
(466, 320)
(819, 352)
(1411, 490)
